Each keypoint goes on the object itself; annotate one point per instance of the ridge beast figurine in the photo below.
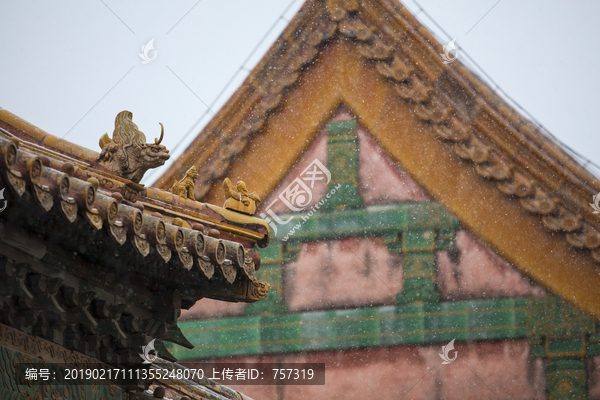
(185, 187)
(239, 199)
(127, 154)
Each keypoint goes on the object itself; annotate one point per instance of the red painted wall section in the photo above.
(360, 272)
(355, 272)
(480, 273)
(208, 308)
(593, 372)
(381, 180)
(481, 371)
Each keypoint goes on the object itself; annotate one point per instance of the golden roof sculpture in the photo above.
(185, 187)
(127, 154)
(239, 199)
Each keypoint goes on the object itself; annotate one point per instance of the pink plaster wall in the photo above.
(354, 272)
(480, 273)
(209, 308)
(482, 370)
(381, 180)
(316, 150)
(360, 272)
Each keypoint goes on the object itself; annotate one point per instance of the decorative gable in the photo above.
(494, 171)
(432, 205)
(392, 245)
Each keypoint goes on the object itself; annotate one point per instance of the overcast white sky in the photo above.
(70, 66)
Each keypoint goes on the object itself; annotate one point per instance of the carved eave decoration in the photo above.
(505, 180)
(84, 266)
(69, 207)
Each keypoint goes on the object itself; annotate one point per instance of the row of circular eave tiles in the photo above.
(21, 170)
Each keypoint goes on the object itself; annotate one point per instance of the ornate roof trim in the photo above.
(47, 140)
(181, 248)
(424, 84)
(504, 148)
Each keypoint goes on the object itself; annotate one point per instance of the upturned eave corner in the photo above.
(506, 161)
(80, 224)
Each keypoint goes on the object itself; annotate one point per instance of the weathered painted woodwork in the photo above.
(97, 266)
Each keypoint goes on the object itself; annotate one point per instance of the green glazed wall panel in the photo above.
(281, 334)
(371, 220)
(236, 331)
(205, 335)
(318, 330)
(357, 328)
(373, 326)
(270, 254)
(446, 321)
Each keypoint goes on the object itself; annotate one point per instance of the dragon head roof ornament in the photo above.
(127, 154)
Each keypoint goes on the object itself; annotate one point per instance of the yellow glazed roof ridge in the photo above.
(500, 163)
(46, 139)
(252, 104)
(208, 142)
(58, 151)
